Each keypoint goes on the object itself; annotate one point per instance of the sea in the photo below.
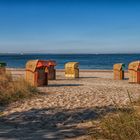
(86, 61)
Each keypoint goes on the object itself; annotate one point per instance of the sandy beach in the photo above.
(65, 108)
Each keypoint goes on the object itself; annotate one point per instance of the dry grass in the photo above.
(14, 90)
(122, 125)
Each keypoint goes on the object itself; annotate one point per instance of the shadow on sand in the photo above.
(126, 78)
(63, 85)
(88, 77)
(49, 123)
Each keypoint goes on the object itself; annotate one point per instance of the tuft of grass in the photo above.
(122, 125)
(14, 90)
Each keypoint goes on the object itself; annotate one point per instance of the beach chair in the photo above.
(50, 69)
(72, 70)
(134, 72)
(118, 70)
(35, 73)
(2, 67)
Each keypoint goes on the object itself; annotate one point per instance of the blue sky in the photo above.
(69, 26)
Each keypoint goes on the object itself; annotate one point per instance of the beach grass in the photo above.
(124, 124)
(14, 90)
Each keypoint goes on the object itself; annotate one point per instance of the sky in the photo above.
(69, 26)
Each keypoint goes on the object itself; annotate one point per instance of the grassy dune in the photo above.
(14, 90)
(122, 125)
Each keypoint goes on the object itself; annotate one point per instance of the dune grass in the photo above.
(14, 90)
(122, 125)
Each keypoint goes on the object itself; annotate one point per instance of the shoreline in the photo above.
(62, 70)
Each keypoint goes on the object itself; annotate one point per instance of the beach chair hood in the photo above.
(50, 63)
(33, 64)
(72, 65)
(119, 66)
(134, 65)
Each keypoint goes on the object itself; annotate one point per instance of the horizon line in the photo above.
(65, 53)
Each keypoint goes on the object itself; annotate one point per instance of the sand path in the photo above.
(65, 107)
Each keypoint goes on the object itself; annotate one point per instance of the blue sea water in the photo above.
(87, 61)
